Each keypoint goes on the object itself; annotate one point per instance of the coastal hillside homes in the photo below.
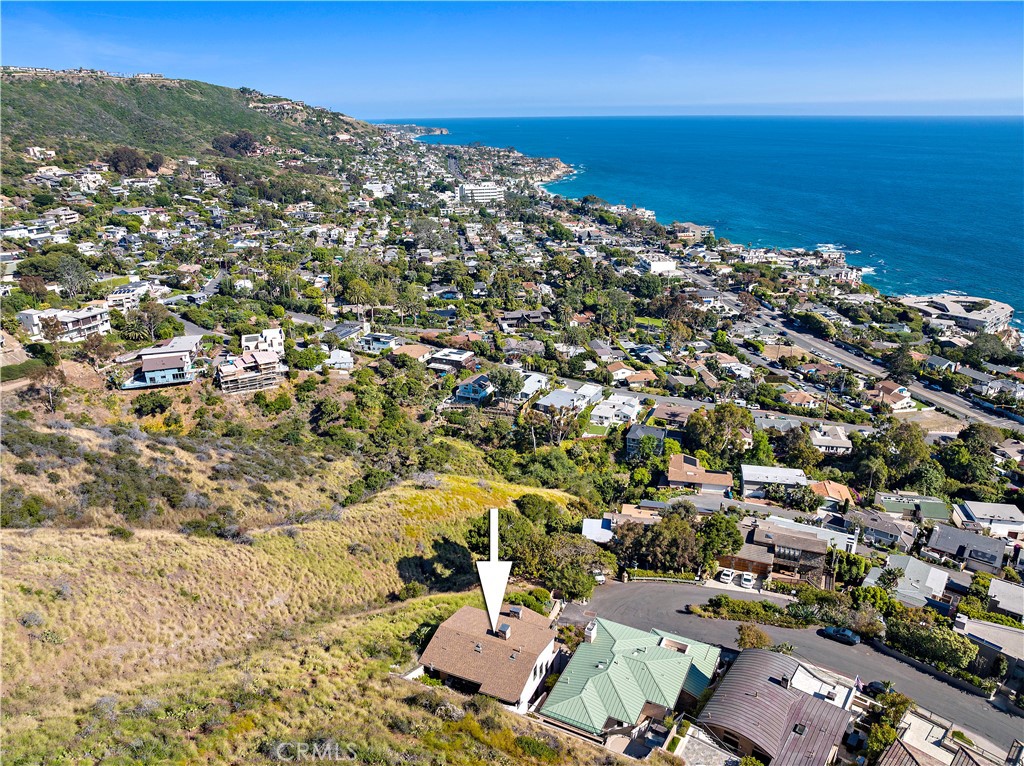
(271, 339)
(476, 389)
(622, 680)
(616, 410)
(686, 472)
(252, 371)
(340, 359)
(972, 551)
(641, 379)
(1006, 598)
(75, 325)
(605, 352)
(921, 584)
(645, 512)
(993, 640)
(128, 297)
(910, 505)
(636, 434)
(672, 415)
(533, 384)
(801, 399)
(831, 440)
(833, 494)
(786, 550)
(655, 263)
(521, 319)
(620, 371)
(349, 332)
(778, 710)
(569, 399)
(757, 477)
(963, 311)
(877, 529)
(378, 343)
(455, 358)
(167, 363)
(415, 351)
(891, 394)
(995, 519)
(509, 664)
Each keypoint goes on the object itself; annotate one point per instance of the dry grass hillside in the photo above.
(331, 686)
(86, 614)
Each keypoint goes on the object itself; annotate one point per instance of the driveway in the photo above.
(661, 605)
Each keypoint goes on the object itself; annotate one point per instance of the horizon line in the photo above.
(400, 120)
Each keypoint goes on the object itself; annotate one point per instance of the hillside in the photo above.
(174, 116)
(90, 618)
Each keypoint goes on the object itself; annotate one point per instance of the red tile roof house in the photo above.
(509, 664)
(685, 471)
(800, 399)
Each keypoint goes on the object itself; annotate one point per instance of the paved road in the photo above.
(955, 404)
(660, 605)
(959, 406)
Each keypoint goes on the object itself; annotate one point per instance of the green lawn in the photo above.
(594, 430)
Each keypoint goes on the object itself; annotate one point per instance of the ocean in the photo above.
(925, 204)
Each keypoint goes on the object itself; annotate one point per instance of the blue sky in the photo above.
(388, 60)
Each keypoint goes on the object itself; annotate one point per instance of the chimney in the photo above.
(590, 632)
(785, 682)
(505, 631)
(516, 611)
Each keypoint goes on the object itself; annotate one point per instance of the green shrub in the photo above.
(151, 403)
(535, 748)
(22, 370)
(683, 576)
(121, 533)
(412, 590)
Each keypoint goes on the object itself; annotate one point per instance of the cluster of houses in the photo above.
(624, 689)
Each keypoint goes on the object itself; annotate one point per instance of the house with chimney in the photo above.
(509, 663)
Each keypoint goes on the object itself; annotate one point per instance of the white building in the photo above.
(75, 325)
(655, 264)
(480, 193)
(271, 339)
(999, 519)
(616, 410)
(128, 297)
(757, 477)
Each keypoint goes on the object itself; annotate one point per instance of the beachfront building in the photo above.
(963, 311)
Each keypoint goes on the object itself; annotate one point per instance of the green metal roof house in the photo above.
(620, 678)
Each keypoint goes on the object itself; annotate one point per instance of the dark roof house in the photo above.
(772, 707)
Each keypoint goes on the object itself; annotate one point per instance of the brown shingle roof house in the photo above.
(509, 664)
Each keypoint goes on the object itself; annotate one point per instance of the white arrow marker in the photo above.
(494, 576)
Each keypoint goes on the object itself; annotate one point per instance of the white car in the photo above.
(748, 579)
(727, 576)
(599, 577)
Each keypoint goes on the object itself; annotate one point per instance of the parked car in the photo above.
(599, 577)
(727, 576)
(748, 579)
(875, 688)
(842, 635)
